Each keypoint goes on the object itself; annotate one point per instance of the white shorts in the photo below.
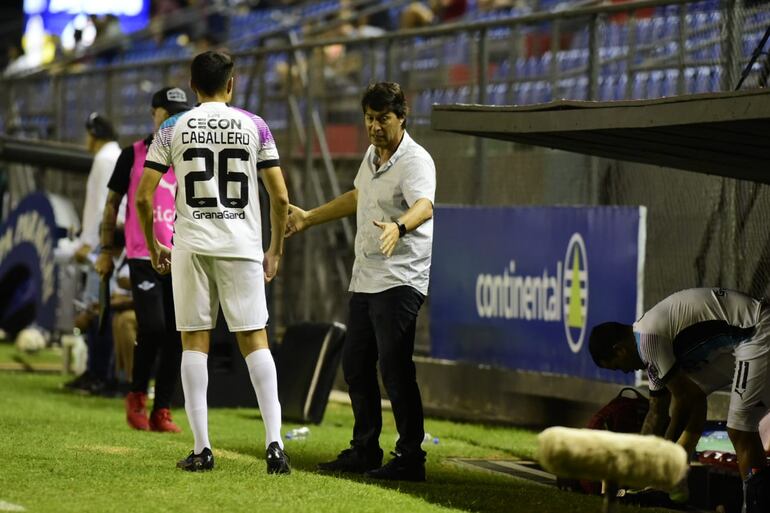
(750, 392)
(201, 283)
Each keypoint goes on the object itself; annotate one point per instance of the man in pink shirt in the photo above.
(153, 298)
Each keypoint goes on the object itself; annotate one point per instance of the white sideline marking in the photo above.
(523, 468)
(7, 506)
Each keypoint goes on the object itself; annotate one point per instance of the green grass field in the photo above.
(61, 452)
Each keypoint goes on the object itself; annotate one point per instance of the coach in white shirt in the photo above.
(101, 143)
(393, 202)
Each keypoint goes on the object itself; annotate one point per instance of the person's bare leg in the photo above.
(748, 448)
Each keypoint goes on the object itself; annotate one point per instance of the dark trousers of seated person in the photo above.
(381, 327)
(100, 349)
(156, 337)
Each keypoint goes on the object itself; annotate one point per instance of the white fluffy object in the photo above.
(625, 459)
(30, 340)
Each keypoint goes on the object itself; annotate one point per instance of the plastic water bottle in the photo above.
(430, 438)
(75, 353)
(299, 433)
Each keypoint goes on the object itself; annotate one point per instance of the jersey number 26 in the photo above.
(224, 177)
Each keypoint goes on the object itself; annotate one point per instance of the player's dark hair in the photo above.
(385, 96)
(601, 342)
(100, 127)
(210, 71)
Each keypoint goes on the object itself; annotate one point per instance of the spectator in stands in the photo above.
(164, 16)
(492, 5)
(205, 43)
(380, 19)
(418, 14)
(332, 65)
(393, 200)
(692, 343)
(107, 37)
(13, 56)
(157, 334)
(209, 20)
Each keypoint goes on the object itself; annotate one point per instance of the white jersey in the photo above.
(216, 151)
(698, 330)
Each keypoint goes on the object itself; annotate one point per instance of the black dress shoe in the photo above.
(400, 468)
(354, 461)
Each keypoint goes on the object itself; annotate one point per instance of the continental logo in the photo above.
(558, 294)
(575, 292)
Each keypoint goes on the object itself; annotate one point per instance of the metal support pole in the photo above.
(555, 44)
(262, 59)
(58, 108)
(250, 82)
(389, 60)
(682, 47)
(732, 38)
(631, 56)
(307, 263)
(482, 67)
(593, 58)
(290, 125)
(108, 111)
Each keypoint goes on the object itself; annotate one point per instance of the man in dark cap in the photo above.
(153, 299)
(100, 141)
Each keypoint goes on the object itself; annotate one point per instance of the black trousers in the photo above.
(382, 326)
(156, 332)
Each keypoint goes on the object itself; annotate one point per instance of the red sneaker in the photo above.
(160, 421)
(136, 411)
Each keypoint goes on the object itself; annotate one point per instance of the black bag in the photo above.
(307, 363)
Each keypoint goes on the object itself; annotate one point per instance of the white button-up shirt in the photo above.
(385, 192)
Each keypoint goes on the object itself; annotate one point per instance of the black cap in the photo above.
(173, 99)
(100, 127)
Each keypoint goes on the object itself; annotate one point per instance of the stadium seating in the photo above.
(637, 59)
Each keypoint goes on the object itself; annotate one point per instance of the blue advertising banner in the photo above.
(521, 287)
(27, 269)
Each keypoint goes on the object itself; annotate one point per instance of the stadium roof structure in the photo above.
(722, 134)
(67, 157)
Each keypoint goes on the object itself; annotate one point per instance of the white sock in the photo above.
(265, 381)
(195, 382)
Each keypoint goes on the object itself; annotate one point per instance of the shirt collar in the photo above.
(400, 151)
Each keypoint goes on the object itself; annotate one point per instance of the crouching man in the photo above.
(692, 343)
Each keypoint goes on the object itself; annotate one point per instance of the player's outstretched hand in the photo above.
(270, 265)
(104, 265)
(161, 258)
(389, 237)
(297, 221)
